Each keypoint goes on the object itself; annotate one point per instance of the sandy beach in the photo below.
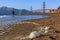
(16, 31)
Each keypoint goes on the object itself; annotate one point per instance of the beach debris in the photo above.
(34, 34)
(1, 33)
(31, 36)
(40, 29)
(46, 29)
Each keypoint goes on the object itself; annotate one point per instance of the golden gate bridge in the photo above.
(43, 10)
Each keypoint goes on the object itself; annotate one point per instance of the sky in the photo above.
(26, 4)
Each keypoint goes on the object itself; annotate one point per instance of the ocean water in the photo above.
(6, 20)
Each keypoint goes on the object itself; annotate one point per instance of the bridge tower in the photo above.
(31, 8)
(43, 7)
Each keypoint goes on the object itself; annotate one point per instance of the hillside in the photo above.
(8, 11)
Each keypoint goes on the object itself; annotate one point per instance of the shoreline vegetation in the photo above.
(25, 27)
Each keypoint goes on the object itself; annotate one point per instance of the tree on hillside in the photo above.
(58, 7)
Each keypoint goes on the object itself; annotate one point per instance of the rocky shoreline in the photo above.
(22, 29)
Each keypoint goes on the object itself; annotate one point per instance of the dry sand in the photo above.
(22, 29)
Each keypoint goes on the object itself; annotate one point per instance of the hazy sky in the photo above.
(25, 4)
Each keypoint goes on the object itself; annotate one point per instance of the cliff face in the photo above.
(55, 10)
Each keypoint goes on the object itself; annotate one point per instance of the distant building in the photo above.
(55, 10)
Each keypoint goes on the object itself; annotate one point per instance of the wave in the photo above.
(1, 16)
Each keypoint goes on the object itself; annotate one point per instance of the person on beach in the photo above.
(13, 12)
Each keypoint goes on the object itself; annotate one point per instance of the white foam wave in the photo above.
(3, 16)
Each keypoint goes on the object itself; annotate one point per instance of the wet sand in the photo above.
(22, 29)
